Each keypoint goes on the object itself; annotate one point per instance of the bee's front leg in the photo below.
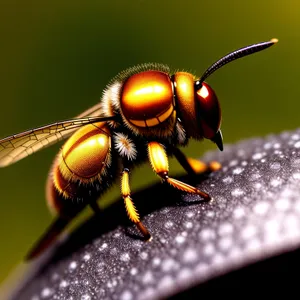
(159, 161)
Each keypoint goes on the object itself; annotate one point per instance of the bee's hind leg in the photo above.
(95, 207)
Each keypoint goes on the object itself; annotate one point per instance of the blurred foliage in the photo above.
(57, 56)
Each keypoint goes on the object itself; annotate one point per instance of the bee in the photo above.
(146, 113)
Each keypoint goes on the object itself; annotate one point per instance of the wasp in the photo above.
(146, 113)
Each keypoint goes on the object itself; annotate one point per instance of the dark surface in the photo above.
(252, 226)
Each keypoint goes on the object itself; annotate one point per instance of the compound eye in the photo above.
(208, 110)
(147, 98)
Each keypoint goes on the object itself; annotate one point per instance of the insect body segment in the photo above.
(80, 167)
(155, 89)
(86, 153)
(185, 93)
(146, 113)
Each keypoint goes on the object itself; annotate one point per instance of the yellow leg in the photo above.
(130, 208)
(95, 207)
(194, 166)
(159, 161)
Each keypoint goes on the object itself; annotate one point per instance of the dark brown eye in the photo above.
(208, 109)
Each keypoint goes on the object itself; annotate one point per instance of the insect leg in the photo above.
(130, 208)
(159, 161)
(95, 207)
(194, 166)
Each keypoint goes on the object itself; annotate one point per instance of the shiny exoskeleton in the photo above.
(145, 113)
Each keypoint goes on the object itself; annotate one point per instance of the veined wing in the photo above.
(18, 146)
(93, 111)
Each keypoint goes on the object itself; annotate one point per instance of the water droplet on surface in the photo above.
(261, 208)
(190, 255)
(180, 239)
(275, 166)
(126, 295)
(87, 257)
(249, 232)
(133, 271)
(46, 292)
(257, 156)
(237, 192)
(239, 212)
(73, 265)
(209, 249)
(233, 163)
(225, 229)
(156, 261)
(225, 243)
(276, 182)
(296, 176)
(125, 257)
(237, 171)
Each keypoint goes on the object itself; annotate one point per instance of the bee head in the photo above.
(196, 101)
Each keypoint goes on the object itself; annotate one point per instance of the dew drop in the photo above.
(257, 156)
(73, 265)
(190, 255)
(275, 182)
(225, 243)
(209, 249)
(225, 229)
(133, 271)
(125, 257)
(126, 295)
(237, 171)
(46, 292)
(296, 176)
(237, 192)
(275, 166)
(63, 284)
(87, 257)
(261, 208)
(180, 239)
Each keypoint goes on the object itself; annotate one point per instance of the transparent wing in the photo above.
(94, 111)
(18, 146)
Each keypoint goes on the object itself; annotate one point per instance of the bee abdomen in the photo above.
(86, 153)
(61, 200)
(79, 167)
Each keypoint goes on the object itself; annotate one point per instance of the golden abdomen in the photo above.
(86, 152)
(82, 161)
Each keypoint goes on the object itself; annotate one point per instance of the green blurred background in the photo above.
(57, 57)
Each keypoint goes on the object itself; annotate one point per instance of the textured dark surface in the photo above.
(255, 217)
